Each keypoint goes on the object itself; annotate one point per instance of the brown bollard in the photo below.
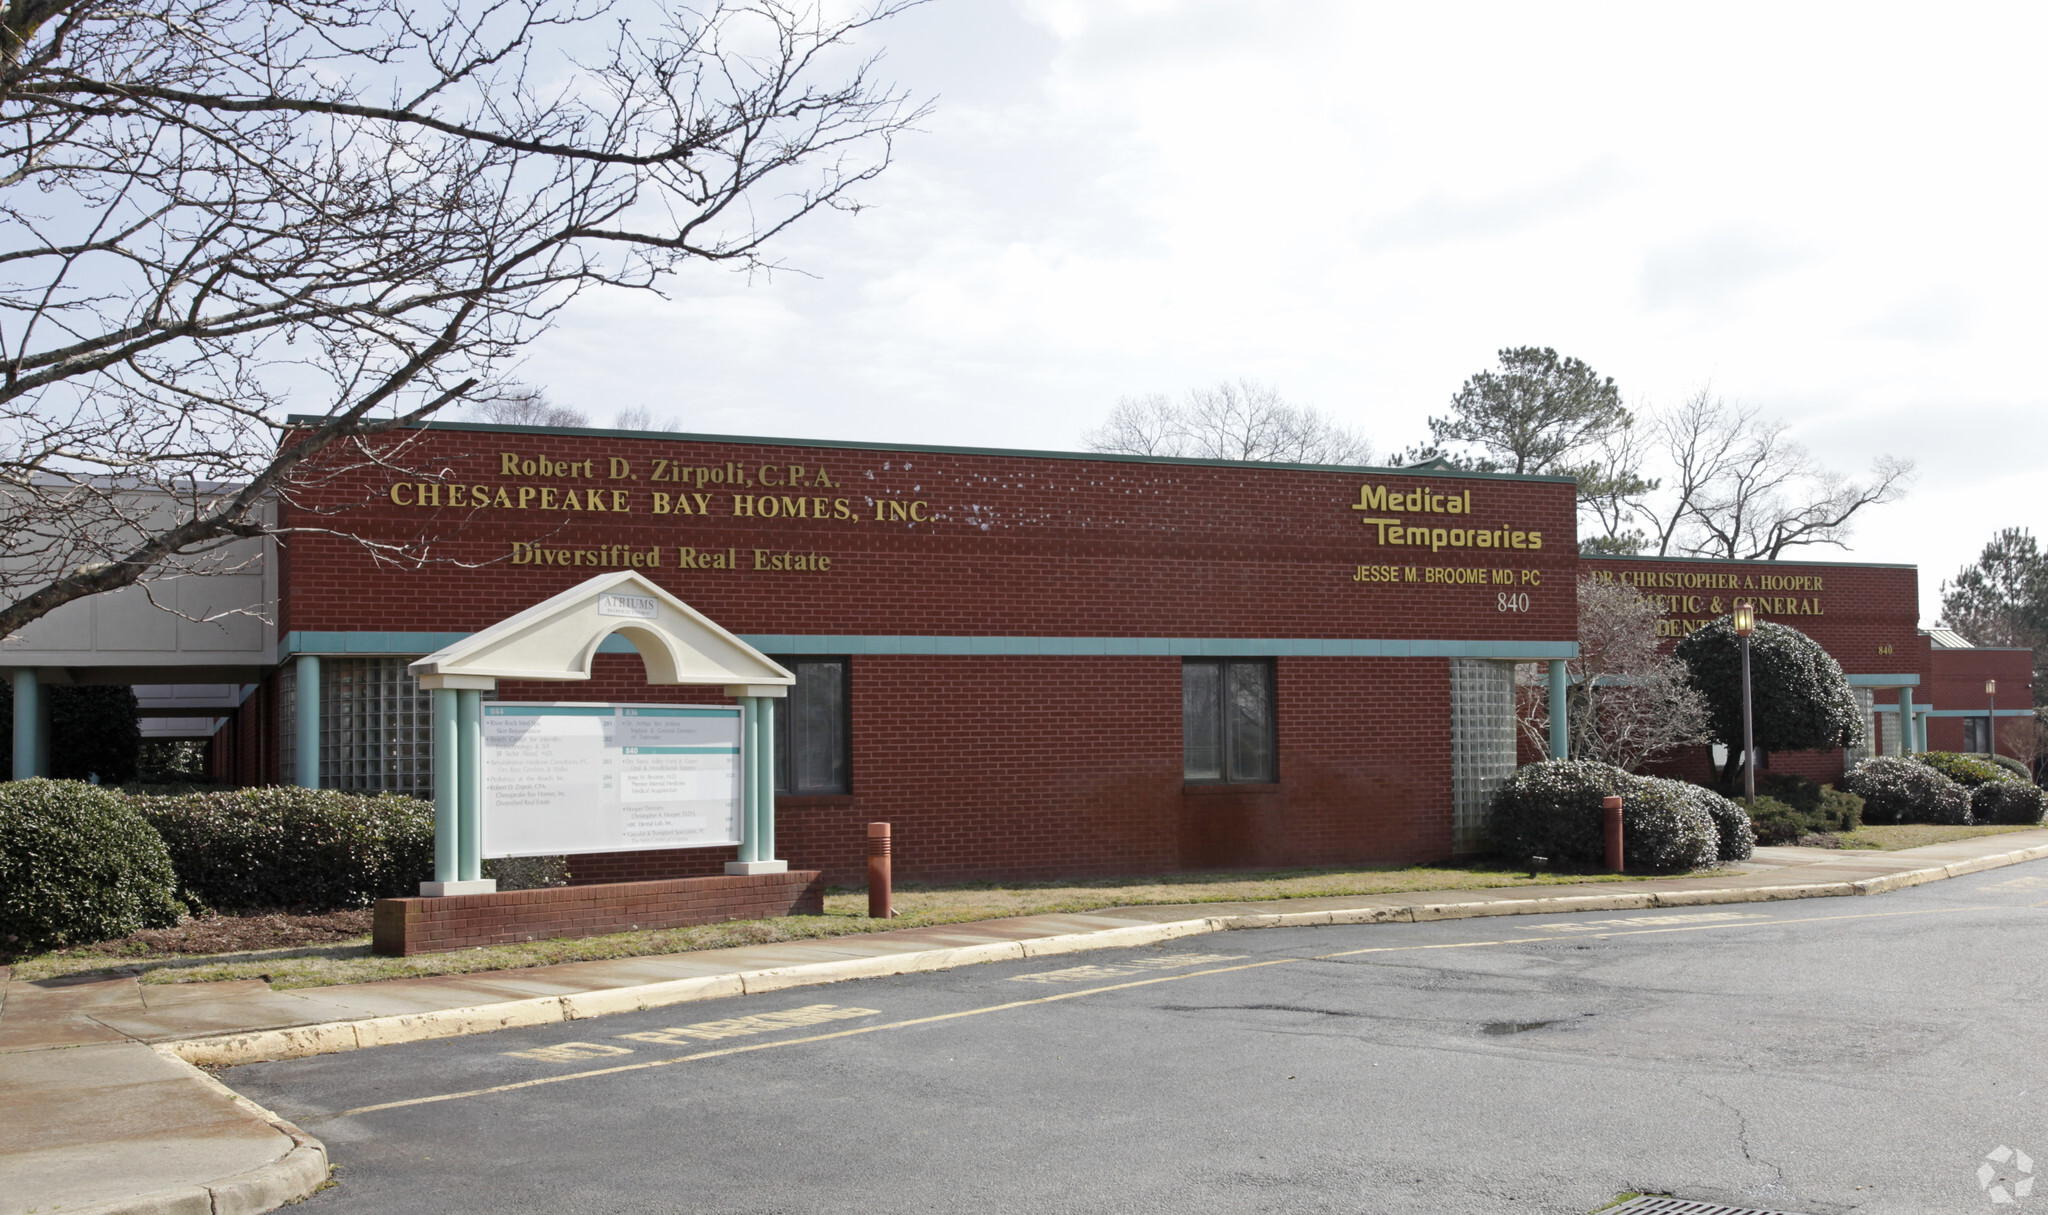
(880, 896)
(1610, 813)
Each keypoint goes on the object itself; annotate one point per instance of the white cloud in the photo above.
(1827, 211)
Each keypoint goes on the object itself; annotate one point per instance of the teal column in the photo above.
(469, 755)
(750, 778)
(1560, 727)
(447, 786)
(1908, 727)
(307, 697)
(765, 850)
(28, 723)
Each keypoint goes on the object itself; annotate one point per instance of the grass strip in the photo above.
(917, 905)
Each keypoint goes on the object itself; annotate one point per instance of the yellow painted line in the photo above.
(1091, 991)
(741, 1050)
(1637, 932)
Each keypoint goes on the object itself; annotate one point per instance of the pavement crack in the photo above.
(1293, 1008)
(1742, 1137)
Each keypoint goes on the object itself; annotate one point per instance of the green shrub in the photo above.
(2015, 767)
(1897, 790)
(77, 865)
(1735, 839)
(2007, 802)
(172, 761)
(1775, 822)
(1969, 771)
(1553, 809)
(282, 846)
(1840, 809)
(1800, 700)
(1795, 791)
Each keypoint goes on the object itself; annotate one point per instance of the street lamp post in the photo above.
(1990, 717)
(1745, 624)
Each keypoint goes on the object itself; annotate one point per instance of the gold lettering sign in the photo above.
(1393, 529)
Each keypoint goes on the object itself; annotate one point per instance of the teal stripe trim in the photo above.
(416, 644)
(1974, 712)
(1884, 681)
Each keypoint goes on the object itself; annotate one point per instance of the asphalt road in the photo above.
(1822, 1056)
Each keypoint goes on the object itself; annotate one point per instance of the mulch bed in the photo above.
(238, 934)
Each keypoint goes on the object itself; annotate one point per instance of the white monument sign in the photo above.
(563, 778)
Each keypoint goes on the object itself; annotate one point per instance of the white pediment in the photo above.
(558, 637)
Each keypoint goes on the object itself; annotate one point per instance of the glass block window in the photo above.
(1891, 734)
(813, 731)
(287, 722)
(1482, 744)
(376, 726)
(1227, 721)
(1859, 751)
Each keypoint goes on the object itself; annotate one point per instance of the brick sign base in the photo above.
(404, 927)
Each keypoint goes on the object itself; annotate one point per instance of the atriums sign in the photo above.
(568, 778)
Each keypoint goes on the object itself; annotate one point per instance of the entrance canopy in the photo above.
(556, 639)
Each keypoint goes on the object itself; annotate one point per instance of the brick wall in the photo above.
(1866, 616)
(1003, 544)
(1022, 768)
(1956, 681)
(403, 927)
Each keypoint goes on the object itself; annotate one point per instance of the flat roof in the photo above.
(940, 449)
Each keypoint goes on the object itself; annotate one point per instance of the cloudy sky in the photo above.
(1832, 213)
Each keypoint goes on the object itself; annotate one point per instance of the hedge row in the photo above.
(282, 846)
(1554, 809)
(1943, 787)
(82, 862)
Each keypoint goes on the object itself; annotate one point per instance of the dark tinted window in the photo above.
(1227, 720)
(812, 735)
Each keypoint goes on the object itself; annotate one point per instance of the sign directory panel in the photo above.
(564, 778)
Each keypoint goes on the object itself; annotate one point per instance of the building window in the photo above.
(376, 726)
(1976, 737)
(1227, 720)
(1482, 744)
(813, 739)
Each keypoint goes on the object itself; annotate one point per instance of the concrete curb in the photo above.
(294, 1176)
(297, 1042)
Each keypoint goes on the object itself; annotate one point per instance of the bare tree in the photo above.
(641, 417)
(361, 208)
(524, 406)
(1630, 704)
(1736, 485)
(1241, 420)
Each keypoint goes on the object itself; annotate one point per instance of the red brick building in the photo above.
(1030, 663)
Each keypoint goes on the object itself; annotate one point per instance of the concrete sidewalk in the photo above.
(102, 1100)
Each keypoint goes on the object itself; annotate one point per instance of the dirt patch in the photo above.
(236, 934)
